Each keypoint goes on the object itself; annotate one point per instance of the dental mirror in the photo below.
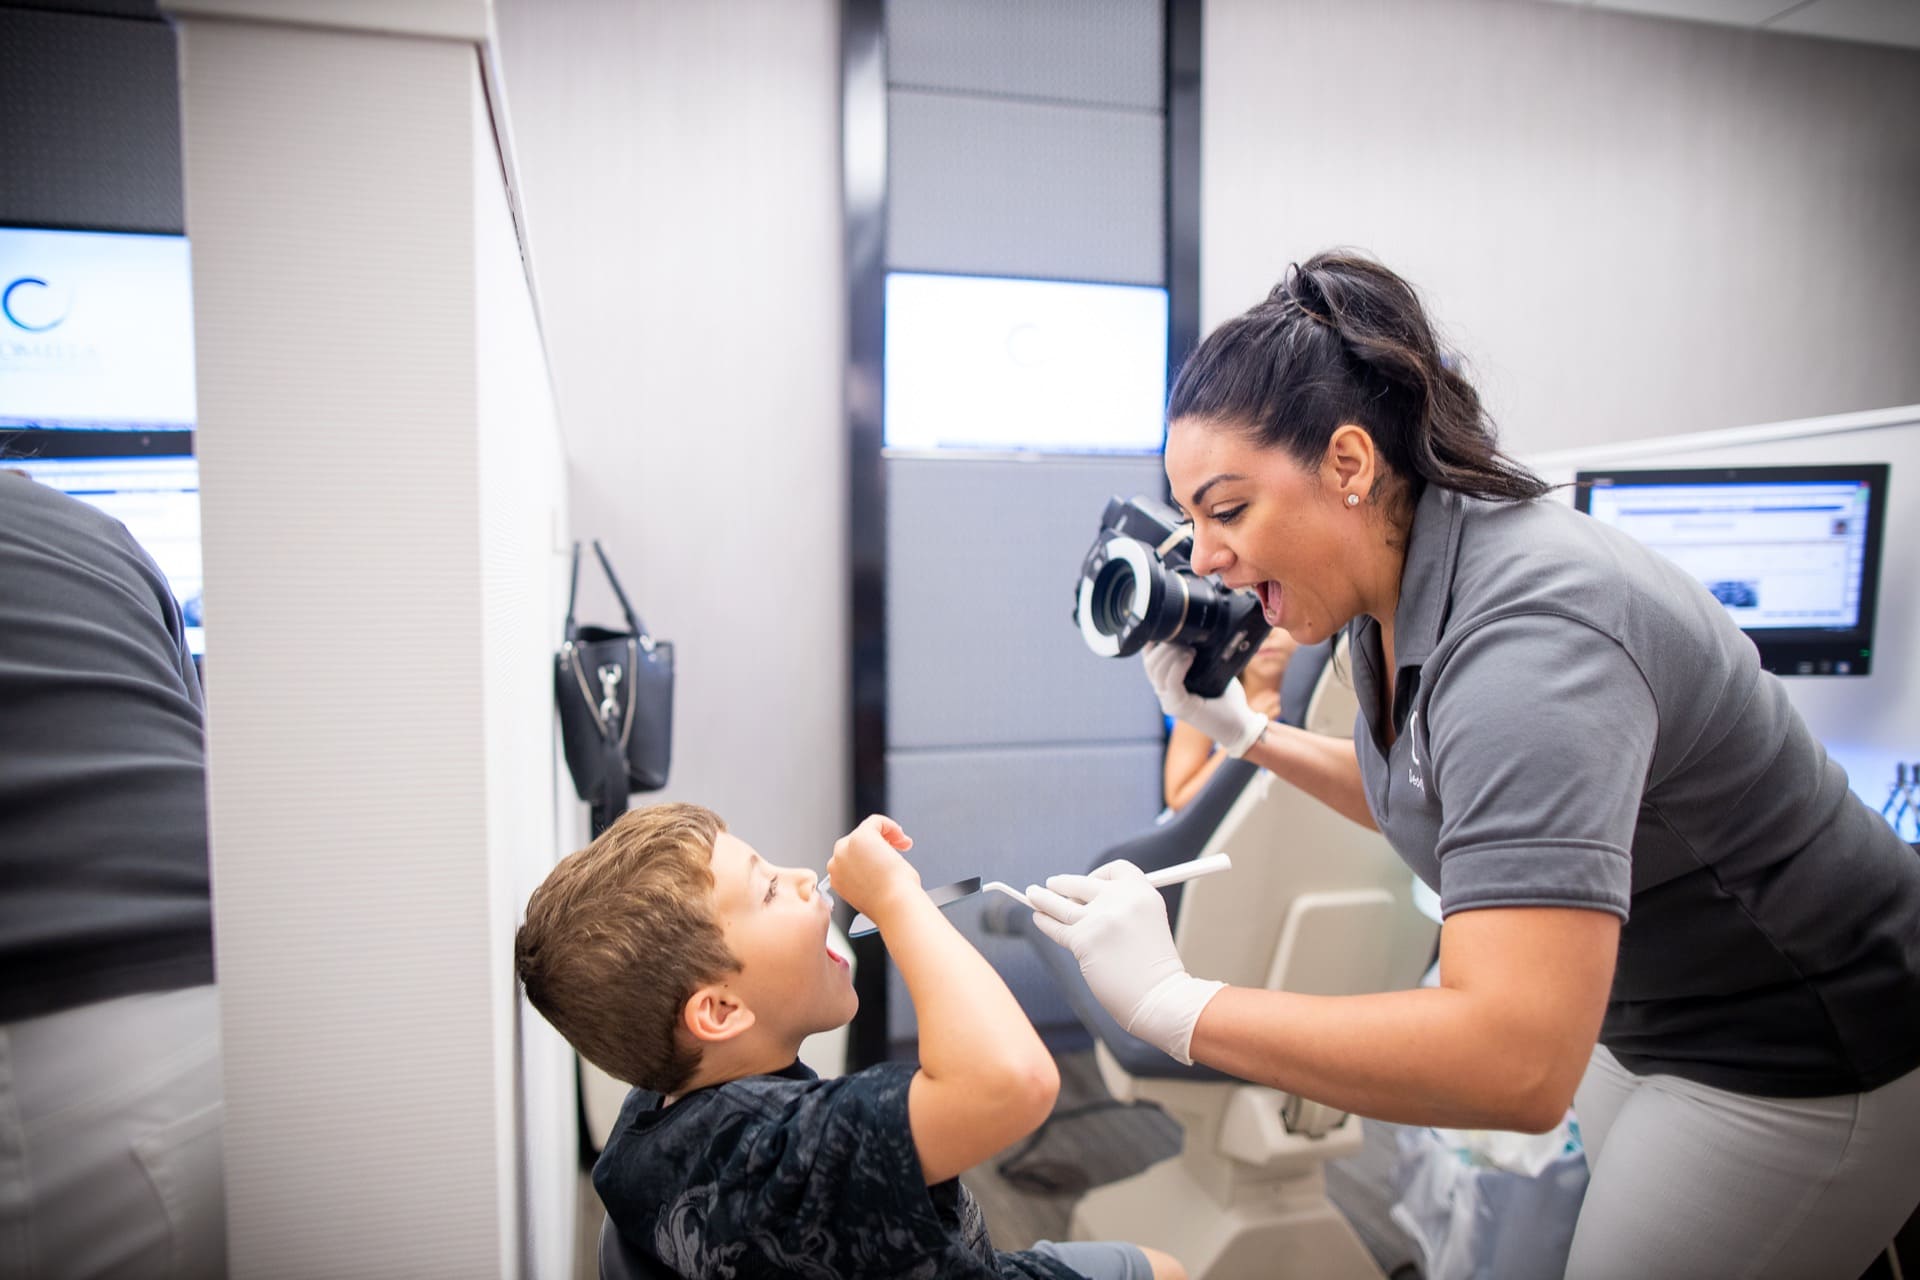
(947, 894)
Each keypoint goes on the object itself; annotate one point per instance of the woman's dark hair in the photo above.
(1341, 339)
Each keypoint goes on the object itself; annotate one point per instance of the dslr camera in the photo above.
(1137, 584)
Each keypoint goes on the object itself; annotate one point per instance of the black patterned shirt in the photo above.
(791, 1175)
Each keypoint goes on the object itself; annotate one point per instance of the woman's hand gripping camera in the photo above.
(1227, 719)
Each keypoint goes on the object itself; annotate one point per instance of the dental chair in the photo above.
(1314, 904)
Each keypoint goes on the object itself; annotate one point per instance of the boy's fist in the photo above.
(866, 868)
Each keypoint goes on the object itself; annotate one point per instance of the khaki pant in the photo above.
(110, 1160)
(1692, 1181)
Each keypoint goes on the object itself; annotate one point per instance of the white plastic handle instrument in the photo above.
(1178, 873)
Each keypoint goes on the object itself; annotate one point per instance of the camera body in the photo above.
(1137, 584)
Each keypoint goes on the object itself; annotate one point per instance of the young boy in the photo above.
(674, 957)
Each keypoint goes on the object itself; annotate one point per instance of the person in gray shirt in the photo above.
(1662, 904)
(110, 1097)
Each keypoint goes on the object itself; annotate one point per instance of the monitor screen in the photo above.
(148, 481)
(1051, 366)
(96, 330)
(1792, 552)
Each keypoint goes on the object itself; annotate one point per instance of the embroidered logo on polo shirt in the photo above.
(1413, 752)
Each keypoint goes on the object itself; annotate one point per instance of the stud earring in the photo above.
(1353, 499)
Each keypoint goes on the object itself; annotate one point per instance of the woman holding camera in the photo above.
(1662, 904)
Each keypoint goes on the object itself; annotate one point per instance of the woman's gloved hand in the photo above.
(1115, 923)
(1227, 719)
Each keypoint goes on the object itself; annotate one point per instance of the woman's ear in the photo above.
(1352, 462)
(714, 1015)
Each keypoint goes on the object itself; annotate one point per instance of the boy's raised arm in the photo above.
(985, 1079)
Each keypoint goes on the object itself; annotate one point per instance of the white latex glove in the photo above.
(1115, 923)
(1227, 719)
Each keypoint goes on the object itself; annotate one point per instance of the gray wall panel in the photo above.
(1018, 815)
(89, 123)
(985, 187)
(981, 565)
(1102, 52)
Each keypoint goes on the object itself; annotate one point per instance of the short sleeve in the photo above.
(1540, 733)
(814, 1179)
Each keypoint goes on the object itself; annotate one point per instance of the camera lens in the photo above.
(1121, 587)
(1113, 597)
(1138, 585)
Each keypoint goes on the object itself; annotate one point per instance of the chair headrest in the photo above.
(1304, 669)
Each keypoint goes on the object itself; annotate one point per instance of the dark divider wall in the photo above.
(89, 119)
(1030, 139)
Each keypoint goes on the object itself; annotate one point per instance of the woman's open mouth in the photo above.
(1270, 593)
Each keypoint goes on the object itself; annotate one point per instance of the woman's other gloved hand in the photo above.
(1115, 924)
(1227, 719)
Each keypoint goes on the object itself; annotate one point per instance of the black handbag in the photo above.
(614, 690)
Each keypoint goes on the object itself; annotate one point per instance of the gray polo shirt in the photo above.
(103, 808)
(1580, 724)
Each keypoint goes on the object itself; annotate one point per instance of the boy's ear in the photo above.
(714, 1015)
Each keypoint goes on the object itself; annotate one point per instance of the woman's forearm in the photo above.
(1425, 1056)
(1324, 767)
(1501, 1043)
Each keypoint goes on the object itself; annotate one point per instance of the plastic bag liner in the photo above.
(1481, 1205)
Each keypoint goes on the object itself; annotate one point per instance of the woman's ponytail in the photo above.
(1341, 339)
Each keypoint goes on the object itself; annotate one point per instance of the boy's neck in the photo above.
(738, 1059)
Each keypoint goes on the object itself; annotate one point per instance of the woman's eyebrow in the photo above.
(1200, 494)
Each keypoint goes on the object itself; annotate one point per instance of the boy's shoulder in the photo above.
(792, 1100)
(790, 1166)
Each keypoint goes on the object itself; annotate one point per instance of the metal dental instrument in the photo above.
(946, 894)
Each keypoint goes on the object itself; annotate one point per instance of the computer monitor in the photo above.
(1792, 552)
(999, 364)
(96, 330)
(147, 480)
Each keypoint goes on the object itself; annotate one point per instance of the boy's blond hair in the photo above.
(620, 935)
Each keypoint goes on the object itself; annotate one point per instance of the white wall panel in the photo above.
(522, 477)
(380, 482)
(1631, 226)
(680, 169)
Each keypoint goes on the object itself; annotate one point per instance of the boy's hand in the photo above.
(866, 867)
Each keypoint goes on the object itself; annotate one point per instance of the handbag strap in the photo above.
(639, 630)
(573, 589)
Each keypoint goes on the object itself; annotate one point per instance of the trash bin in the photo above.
(1485, 1205)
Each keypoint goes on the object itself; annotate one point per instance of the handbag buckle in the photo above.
(609, 681)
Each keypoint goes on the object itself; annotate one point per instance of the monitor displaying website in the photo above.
(96, 330)
(1792, 553)
(157, 499)
(1776, 555)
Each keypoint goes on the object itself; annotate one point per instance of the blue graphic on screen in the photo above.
(992, 363)
(96, 330)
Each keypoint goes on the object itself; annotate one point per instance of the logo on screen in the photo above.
(30, 303)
